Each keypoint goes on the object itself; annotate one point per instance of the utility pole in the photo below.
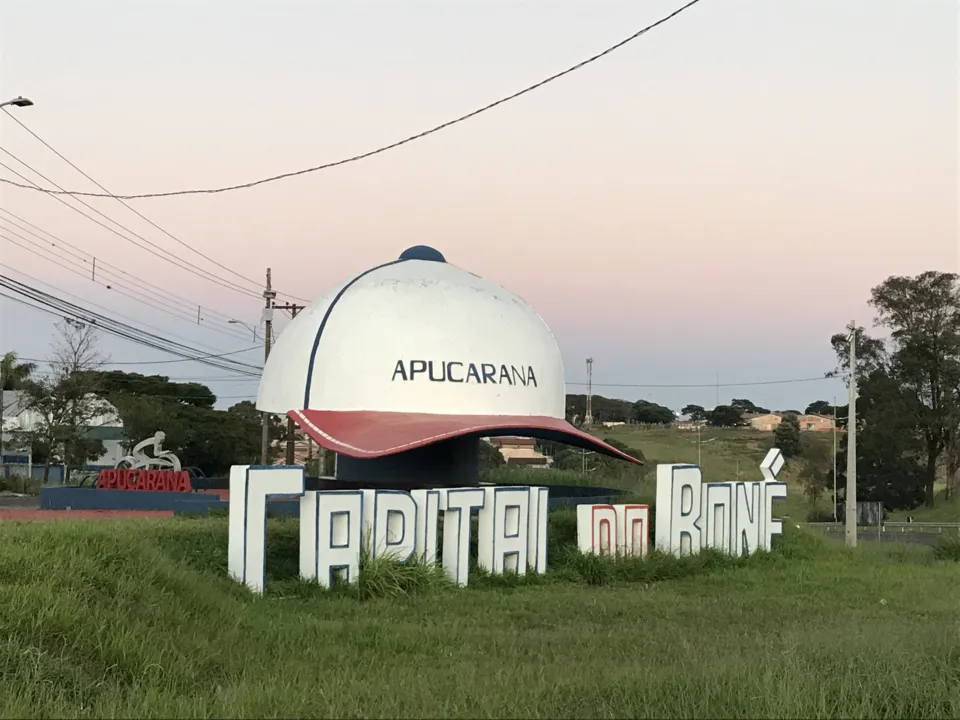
(698, 444)
(835, 518)
(851, 499)
(268, 296)
(588, 419)
(291, 428)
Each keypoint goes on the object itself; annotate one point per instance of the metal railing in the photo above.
(891, 526)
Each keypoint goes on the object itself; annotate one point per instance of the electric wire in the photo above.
(707, 385)
(57, 306)
(119, 285)
(155, 362)
(384, 148)
(128, 206)
(176, 313)
(195, 270)
(102, 266)
(126, 317)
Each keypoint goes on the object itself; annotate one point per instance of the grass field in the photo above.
(725, 455)
(137, 619)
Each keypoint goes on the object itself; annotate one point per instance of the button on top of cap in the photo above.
(422, 252)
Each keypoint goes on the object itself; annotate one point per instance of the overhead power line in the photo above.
(159, 362)
(99, 271)
(710, 385)
(384, 148)
(168, 257)
(199, 346)
(129, 207)
(45, 302)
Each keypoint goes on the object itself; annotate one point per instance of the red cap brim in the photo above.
(367, 435)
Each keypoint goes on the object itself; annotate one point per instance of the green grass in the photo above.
(730, 454)
(138, 619)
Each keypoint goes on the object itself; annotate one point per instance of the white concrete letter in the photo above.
(456, 505)
(250, 486)
(502, 533)
(428, 516)
(330, 535)
(679, 492)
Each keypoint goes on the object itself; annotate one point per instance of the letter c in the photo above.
(450, 377)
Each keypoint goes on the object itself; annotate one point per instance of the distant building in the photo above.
(816, 423)
(768, 422)
(108, 428)
(764, 422)
(520, 451)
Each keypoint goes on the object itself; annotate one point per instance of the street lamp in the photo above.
(18, 101)
(248, 327)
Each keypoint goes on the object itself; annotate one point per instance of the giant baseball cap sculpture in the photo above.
(414, 352)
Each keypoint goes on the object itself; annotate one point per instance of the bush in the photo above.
(947, 549)
(818, 515)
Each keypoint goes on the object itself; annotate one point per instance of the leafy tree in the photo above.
(651, 413)
(725, 416)
(196, 432)
(489, 457)
(14, 374)
(600, 466)
(816, 466)
(787, 436)
(66, 402)
(888, 445)
(819, 407)
(604, 409)
(745, 406)
(922, 359)
(694, 412)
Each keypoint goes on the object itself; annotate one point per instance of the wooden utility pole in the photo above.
(588, 409)
(851, 499)
(291, 428)
(268, 296)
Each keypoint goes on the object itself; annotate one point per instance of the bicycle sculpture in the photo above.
(161, 460)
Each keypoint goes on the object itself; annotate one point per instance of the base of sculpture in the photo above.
(448, 463)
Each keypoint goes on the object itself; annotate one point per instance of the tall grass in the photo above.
(138, 619)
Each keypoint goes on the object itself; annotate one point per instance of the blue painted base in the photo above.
(74, 498)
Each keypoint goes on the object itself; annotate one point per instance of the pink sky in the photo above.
(717, 197)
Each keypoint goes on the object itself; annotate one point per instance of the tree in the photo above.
(745, 406)
(13, 374)
(889, 447)
(922, 359)
(649, 413)
(694, 412)
(816, 466)
(787, 436)
(66, 402)
(609, 409)
(489, 457)
(200, 435)
(724, 416)
(819, 407)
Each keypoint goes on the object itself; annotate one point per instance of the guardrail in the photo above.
(921, 526)
(937, 527)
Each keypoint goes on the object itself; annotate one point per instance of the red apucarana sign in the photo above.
(140, 479)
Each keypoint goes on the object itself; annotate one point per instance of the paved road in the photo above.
(12, 500)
